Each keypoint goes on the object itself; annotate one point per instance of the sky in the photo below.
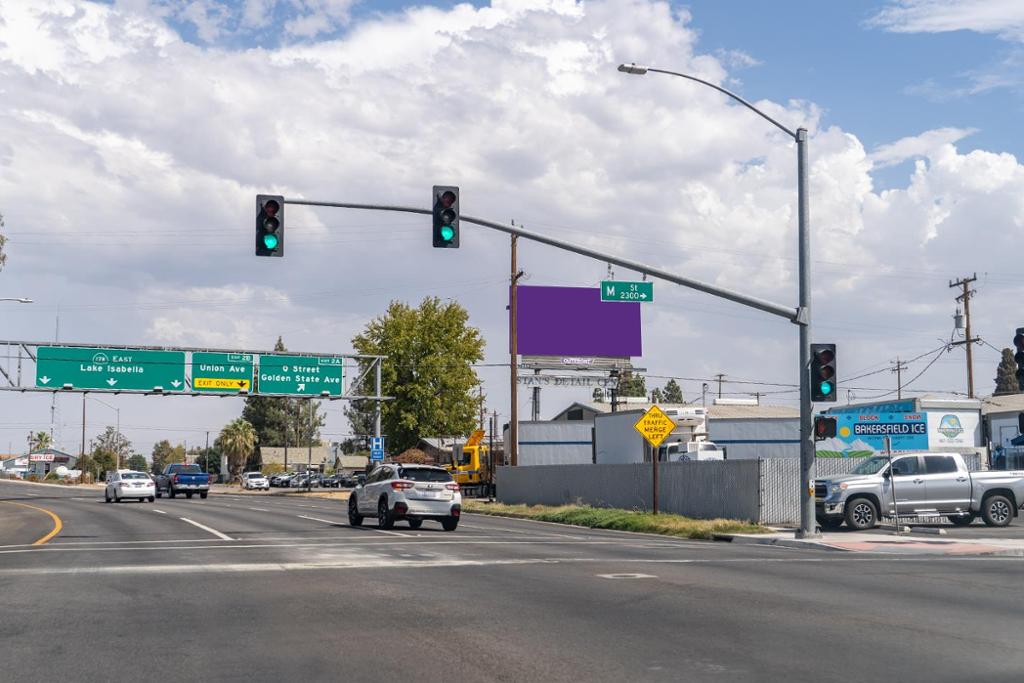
(135, 134)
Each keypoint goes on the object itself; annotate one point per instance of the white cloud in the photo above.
(130, 160)
(1003, 17)
(917, 145)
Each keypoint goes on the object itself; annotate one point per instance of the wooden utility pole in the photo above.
(513, 426)
(968, 341)
(898, 369)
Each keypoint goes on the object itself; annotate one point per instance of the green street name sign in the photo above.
(110, 369)
(221, 373)
(301, 375)
(613, 290)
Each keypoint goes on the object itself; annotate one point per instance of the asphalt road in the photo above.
(155, 591)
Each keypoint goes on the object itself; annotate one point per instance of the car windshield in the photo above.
(423, 474)
(871, 465)
(255, 475)
(134, 475)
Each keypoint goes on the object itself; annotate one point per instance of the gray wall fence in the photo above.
(764, 490)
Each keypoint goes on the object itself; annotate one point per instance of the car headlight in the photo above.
(836, 488)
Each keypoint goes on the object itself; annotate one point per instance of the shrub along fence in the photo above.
(764, 491)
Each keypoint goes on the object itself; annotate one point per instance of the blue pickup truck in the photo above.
(180, 478)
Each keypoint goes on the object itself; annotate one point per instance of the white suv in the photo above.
(410, 492)
(255, 480)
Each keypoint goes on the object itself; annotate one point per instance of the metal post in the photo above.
(803, 320)
(491, 462)
(654, 478)
(309, 453)
(535, 411)
(206, 453)
(82, 452)
(513, 425)
(376, 420)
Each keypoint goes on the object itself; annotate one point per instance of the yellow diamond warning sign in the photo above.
(655, 426)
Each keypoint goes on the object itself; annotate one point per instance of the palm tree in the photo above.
(237, 439)
(39, 441)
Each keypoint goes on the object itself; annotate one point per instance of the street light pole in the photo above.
(803, 313)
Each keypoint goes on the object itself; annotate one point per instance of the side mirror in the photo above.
(886, 474)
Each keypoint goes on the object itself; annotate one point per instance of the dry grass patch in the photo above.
(620, 520)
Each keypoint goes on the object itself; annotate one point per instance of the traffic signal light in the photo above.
(823, 372)
(1018, 341)
(269, 225)
(824, 428)
(446, 217)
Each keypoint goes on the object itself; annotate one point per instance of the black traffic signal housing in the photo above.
(269, 225)
(824, 428)
(1018, 341)
(823, 373)
(446, 217)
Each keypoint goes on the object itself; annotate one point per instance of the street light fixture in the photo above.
(19, 299)
(803, 318)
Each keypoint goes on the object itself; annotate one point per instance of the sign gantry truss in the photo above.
(183, 371)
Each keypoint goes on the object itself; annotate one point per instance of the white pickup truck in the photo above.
(918, 485)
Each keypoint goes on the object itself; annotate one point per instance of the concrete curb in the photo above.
(779, 542)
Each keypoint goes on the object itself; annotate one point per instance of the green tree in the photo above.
(200, 456)
(164, 454)
(137, 462)
(657, 396)
(40, 441)
(238, 441)
(429, 370)
(102, 456)
(279, 420)
(632, 385)
(1006, 374)
(673, 393)
(115, 443)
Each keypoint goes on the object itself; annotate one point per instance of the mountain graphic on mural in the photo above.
(837, 448)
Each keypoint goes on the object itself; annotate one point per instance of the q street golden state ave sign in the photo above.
(655, 426)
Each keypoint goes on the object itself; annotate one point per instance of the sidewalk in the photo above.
(887, 542)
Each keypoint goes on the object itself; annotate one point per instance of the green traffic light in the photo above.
(447, 233)
(270, 241)
(825, 388)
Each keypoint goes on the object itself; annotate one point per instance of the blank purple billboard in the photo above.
(573, 321)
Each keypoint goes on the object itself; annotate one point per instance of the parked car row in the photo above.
(314, 480)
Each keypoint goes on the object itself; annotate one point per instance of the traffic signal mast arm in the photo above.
(791, 314)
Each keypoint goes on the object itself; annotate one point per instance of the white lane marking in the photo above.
(368, 528)
(260, 509)
(206, 528)
(626, 576)
(159, 512)
(381, 563)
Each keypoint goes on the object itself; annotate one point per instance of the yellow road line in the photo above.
(57, 524)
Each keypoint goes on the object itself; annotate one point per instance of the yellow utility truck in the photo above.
(471, 466)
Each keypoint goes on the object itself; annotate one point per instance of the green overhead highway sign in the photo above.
(301, 375)
(613, 290)
(58, 367)
(221, 373)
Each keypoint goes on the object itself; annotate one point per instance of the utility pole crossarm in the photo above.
(789, 313)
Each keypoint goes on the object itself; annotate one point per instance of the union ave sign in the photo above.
(219, 373)
(111, 369)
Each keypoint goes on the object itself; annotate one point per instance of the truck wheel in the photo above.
(997, 510)
(962, 520)
(830, 523)
(188, 494)
(384, 518)
(354, 518)
(203, 494)
(170, 492)
(861, 514)
(158, 494)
